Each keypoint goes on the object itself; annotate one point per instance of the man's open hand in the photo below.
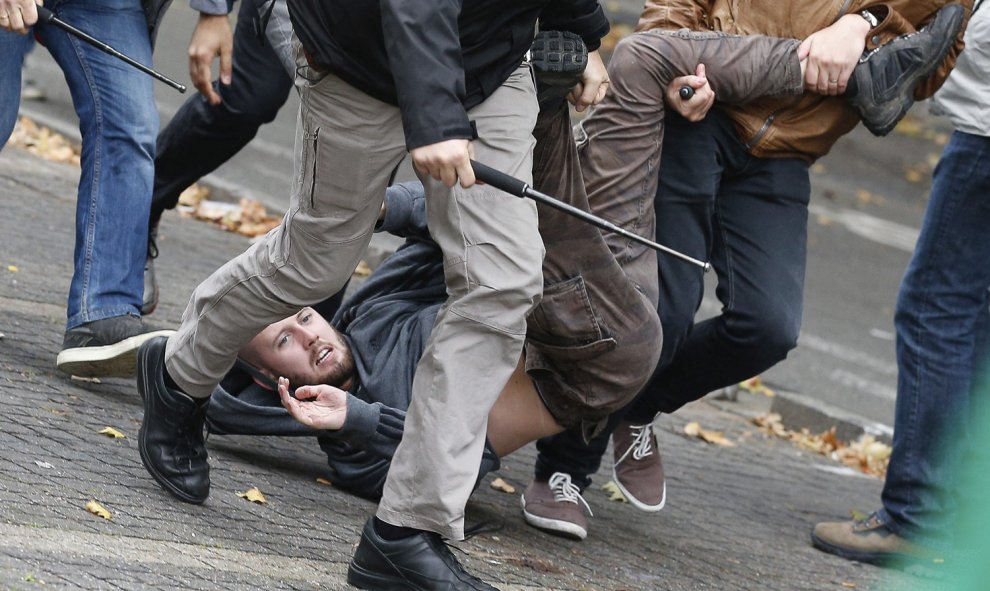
(319, 407)
(212, 38)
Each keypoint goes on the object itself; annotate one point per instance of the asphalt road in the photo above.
(868, 200)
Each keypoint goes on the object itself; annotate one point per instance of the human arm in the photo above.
(404, 211)
(832, 53)
(593, 85)
(211, 38)
(18, 15)
(695, 108)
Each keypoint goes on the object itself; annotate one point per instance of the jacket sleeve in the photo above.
(373, 427)
(424, 55)
(582, 17)
(214, 7)
(900, 18)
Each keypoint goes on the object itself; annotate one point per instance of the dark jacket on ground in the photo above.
(435, 59)
(386, 322)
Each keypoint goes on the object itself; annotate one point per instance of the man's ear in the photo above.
(262, 376)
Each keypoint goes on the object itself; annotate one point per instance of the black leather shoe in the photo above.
(421, 562)
(882, 86)
(171, 441)
(558, 59)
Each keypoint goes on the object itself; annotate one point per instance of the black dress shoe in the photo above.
(881, 87)
(558, 59)
(171, 441)
(421, 562)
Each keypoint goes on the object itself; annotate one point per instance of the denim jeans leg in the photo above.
(201, 137)
(758, 235)
(941, 309)
(119, 121)
(13, 48)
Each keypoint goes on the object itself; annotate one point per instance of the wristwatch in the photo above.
(868, 16)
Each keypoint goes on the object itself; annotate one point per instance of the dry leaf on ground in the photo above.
(98, 510)
(362, 269)
(866, 454)
(502, 486)
(12, 268)
(613, 492)
(85, 379)
(111, 432)
(322, 480)
(756, 386)
(43, 142)
(694, 429)
(254, 495)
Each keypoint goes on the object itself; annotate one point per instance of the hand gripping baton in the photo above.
(514, 186)
(48, 17)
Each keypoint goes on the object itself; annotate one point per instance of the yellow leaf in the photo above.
(914, 175)
(715, 437)
(322, 480)
(756, 386)
(362, 269)
(502, 486)
(85, 380)
(12, 268)
(692, 429)
(98, 510)
(614, 494)
(848, 584)
(111, 432)
(254, 495)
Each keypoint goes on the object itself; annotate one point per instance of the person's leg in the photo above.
(201, 137)
(493, 255)
(941, 307)
(13, 47)
(118, 123)
(518, 415)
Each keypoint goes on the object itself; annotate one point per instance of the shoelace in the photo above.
(642, 442)
(566, 491)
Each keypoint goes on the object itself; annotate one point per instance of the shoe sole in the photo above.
(145, 384)
(908, 101)
(365, 579)
(875, 558)
(554, 526)
(118, 360)
(636, 502)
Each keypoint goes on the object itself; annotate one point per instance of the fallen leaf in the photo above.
(693, 429)
(254, 495)
(848, 584)
(914, 175)
(756, 386)
(43, 464)
(111, 432)
(12, 268)
(362, 269)
(613, 492)
(85, 380)
(322, 480)
(502, 486)
(98, 510)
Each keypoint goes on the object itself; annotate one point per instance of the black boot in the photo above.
(558, 59)
(418, 562)
(171, 441)
(881, 87)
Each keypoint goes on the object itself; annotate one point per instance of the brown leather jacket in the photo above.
(803, 127)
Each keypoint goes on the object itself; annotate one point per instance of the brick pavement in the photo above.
(736, 518)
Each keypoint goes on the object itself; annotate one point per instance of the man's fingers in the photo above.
(804, 49)
(226, 63)
(199, 72)
(465, 173)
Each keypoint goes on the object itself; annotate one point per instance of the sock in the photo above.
(393, 532)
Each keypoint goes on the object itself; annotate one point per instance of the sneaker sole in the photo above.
(555, 526)
(908, 101)
(636, 502)
(145, 383)
(118, 360)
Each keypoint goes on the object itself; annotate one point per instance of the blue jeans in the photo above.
(749, 215)
(942, 323)
(118, 123)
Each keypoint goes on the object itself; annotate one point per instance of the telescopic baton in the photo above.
(48, 17)
(514, 186)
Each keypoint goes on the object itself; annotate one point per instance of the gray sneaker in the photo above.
(150, 282)
(553, 506)
(881, 88)
(105, 348)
